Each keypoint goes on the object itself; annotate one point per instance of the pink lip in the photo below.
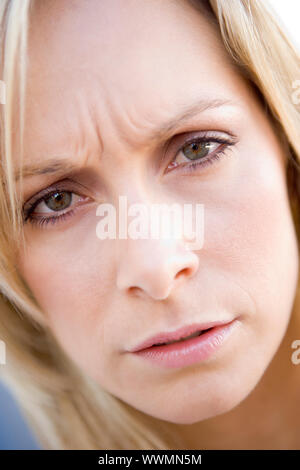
(190, 351)
(176, 335)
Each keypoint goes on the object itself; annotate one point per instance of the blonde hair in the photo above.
(65, 408)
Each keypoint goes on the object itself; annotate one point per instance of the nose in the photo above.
(154, 267)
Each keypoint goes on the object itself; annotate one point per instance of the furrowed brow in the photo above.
(65, 166)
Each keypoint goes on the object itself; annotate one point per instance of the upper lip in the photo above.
(165, 337)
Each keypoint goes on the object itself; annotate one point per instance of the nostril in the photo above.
(185, 272)
(134, 290)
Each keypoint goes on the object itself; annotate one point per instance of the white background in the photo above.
(289, 14)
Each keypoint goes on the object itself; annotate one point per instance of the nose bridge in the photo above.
(154, 267)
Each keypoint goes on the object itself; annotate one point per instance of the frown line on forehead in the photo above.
(62, 165)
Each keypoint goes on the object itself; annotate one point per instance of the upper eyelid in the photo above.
(210, 134)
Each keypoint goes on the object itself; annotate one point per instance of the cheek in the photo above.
(69, 276)
(252, 239)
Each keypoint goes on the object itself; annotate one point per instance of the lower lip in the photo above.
(190, 351)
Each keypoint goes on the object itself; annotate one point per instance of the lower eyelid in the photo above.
(207, 161)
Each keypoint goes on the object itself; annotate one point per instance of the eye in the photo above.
(201, 151)
(58, 201)
(62, 202)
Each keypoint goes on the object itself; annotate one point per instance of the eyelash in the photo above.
(190, 167)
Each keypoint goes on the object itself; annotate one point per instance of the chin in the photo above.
(196, 411)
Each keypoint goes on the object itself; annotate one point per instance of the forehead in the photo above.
(130, 63)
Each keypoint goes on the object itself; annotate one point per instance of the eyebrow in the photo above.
(63, 165)
(52, 165)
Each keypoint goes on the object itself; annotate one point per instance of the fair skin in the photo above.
(101, 78)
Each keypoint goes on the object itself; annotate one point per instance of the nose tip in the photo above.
(157, 274)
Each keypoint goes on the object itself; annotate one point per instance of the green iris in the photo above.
(59, 201)
(199, 150)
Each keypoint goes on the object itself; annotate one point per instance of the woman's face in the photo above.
(107, 83)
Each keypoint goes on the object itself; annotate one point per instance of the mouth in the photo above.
(179, 336)
(197, 333)
(187, 346)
